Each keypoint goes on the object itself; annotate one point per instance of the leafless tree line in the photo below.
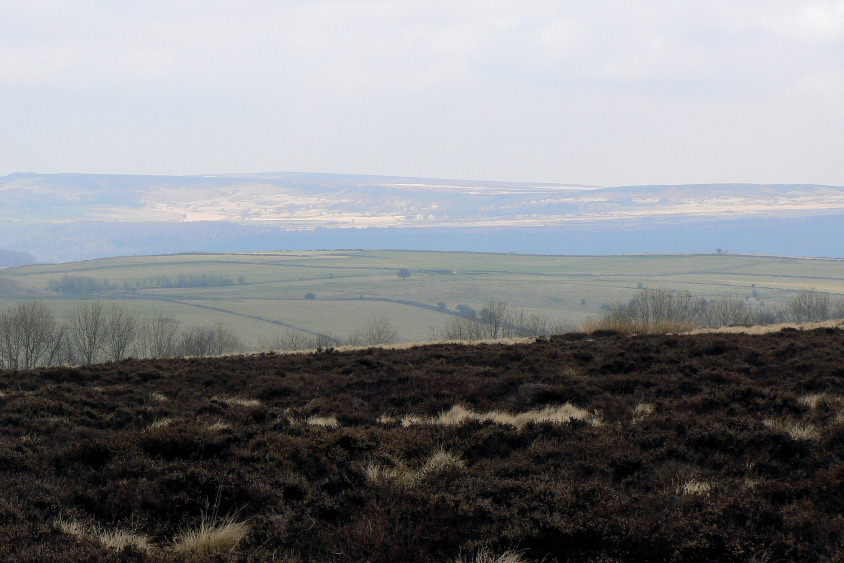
(377, 330)
(496, 320)
(31, 335)
(651, 307)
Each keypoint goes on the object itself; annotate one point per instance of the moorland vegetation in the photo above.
(603, 447)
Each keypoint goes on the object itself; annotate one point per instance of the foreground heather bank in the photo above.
(705, 447)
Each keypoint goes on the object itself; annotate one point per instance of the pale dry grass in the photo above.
(120, 539)
(486, 556)
(795, 429)
(401, 474)
(212, 536)
(636, 327)
(766, 329)
(160, 423)
(459, 414)
(751, 483)
(238, 401)
(811, 400)
(642, 410)
(219, 426)
(839, 418)
(71, 527)
(156, 396)
(325, 421)
(440, 461)
(692, 487)
(112, 539)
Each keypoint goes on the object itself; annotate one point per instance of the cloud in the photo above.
(460, 87)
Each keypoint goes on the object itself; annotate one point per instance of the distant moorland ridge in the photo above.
(63, 217)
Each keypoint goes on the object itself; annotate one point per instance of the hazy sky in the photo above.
(591, 92)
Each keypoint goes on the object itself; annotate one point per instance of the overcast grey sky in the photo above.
(595, 92)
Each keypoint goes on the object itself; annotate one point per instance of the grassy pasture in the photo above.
(349, 287)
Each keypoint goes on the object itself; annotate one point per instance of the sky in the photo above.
(595, 93)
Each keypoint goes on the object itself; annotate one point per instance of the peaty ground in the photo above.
(711, 447)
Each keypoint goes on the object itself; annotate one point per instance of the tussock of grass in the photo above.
(486, 556)
(219, 426)
(326, 421)
(438, 462)
(238, 401)
(156, 396)
(112, 539)
(797, 430)
(459, 414)
(71, 527)
(212, 536)
(641, 410)
(160, 423)
(811, 400)
(120, 539)
(692, 487)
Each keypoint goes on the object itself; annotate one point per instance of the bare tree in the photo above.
(728, 310)
(462, 329)
(809, 306)
(157, 337)
(88, 325)
(28, 335)
(9, 341)
(377, 330)
(290, 340)
(213, 340)
(838, 309)
(521, 323)
(494, 315)
(121, 332)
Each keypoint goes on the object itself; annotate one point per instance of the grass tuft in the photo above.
(436, 463)
(797, 430)
(811, 400)
(238, 401)
(325, 421)
(112, 539)
(219, 426)
(486, 556)
(212, 536)
(692, 487)
(160, 423)
(642, 410)
(459, 414)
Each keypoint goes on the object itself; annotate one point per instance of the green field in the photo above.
(350, 287)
